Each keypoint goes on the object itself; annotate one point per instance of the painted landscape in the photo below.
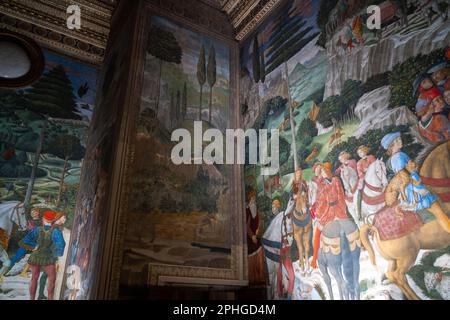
(43, 133)
(340, 94)
(178, 214)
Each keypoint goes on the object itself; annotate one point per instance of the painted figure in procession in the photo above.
(277, 242)
(47, 245)
(414, 195)
(302, 219)
(255, 225)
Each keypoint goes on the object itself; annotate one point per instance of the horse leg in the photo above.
(306, 239)
(403, 266)
(356, 271)
(326, 278)
(298, 233)
(335, 266)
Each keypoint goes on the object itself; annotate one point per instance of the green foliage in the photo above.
(378, 81)
(350, 94)
(201, 67)
(53, 95)
(403, 76)
(201, 195)
(264, 204)
(67, 147)
(307, 128)
(212, 68)
(417, 272)
(164, 46)
(372, 139)
(274, 106)
(285, 150)
(331, 108)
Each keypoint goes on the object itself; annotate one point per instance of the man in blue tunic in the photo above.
(416, 196)
(47, 245)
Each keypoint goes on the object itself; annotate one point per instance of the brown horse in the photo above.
(302, 222)
(402, 252)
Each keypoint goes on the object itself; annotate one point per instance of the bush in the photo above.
(403, 76)
(378, 81)
(331, 108)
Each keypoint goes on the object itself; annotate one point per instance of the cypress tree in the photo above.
(201, 77)
(212, 76)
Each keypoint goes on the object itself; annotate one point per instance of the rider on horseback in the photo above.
(414, 195)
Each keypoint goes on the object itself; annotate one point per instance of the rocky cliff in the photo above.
(372, 109)
(368, 61)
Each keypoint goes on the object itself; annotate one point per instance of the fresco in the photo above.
(178, 215)
(43, 135)
(360, 206)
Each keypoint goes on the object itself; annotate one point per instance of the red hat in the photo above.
(447, 55)
(50, 216)
(430, 94)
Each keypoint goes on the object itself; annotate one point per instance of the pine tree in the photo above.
(201, 77)
(53, 95)
(164, 46)
(212, 76)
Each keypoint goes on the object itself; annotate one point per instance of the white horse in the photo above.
(350, 178)
(11, 212)
(271, 242)
(375, 183)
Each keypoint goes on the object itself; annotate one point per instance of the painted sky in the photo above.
(191, 43)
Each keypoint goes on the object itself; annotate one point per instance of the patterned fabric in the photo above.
(4, 239)
(391, 225)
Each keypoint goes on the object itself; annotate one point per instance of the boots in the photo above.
(440, 216)
(316, 248)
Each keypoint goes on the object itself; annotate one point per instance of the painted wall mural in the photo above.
(179, 215)
(360, 206)
(43, 135)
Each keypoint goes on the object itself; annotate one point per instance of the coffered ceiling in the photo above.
(244, 15)
(46, 22)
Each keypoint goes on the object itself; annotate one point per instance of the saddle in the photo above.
(391, 225)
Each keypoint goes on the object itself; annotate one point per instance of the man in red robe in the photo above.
(256, 263)
(330, 202)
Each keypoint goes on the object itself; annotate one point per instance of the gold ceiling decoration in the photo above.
(244, 15)
(46, 22)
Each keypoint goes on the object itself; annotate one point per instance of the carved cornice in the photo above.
(46, 22)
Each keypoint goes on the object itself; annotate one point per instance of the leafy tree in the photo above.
(331, 108)
(167, 203)
(350, 94)
(212, 76)
(285, 150)
(307, 128)
(66, 147)
(164, 46)
(201, 77)
(53, 95)
(403, 76)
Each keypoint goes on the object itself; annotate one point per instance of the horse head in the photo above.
(19, 218)
(377, 174)
(381, 172)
